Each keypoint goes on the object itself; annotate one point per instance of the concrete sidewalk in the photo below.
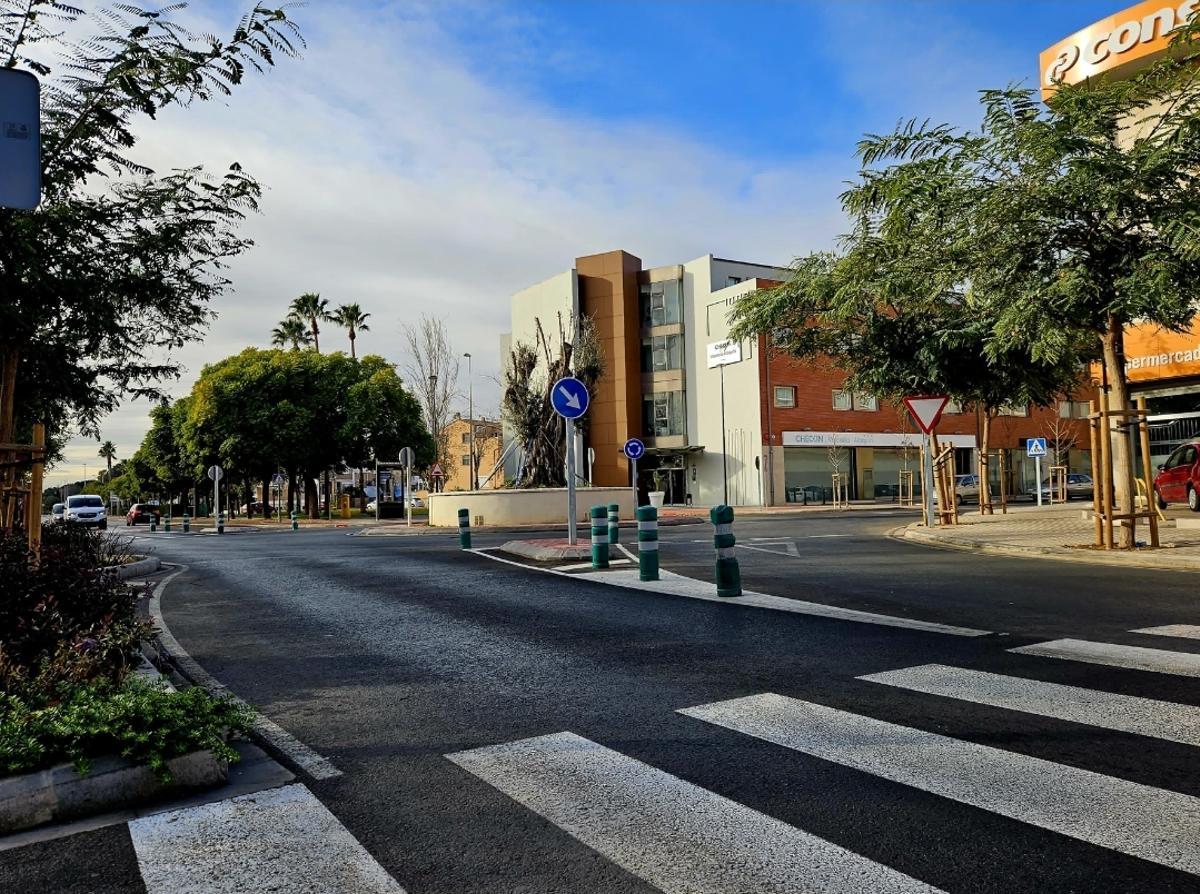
(1060, 533)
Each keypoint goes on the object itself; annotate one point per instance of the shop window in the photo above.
(785, 396)
(662, 414)
(865, 402)
(661, 353)
(659, 303)
(842, 400)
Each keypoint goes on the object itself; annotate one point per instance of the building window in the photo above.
(466, 438)
(865, 402)
(466, 459)
(1013, 410)
(662, 414)
(785, 396)
(842, 400)
(659, 303)
(732, 280)
(1073, 409)
(661, 353)
(953, 407)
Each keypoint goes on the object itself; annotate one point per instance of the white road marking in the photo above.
(1149, 823)
(1182, 664)
(579, 566)
(677, 585)
(673, 834)
(1185, 631)
(282, 839)
(1143, 716)
(789, 548)
(300, 754)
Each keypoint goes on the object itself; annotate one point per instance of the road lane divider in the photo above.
(675, 835)
(1128, 817)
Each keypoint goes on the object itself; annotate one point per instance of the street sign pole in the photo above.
(408, 492)
(1037, 472)
(378, 494)
(572, 537)
(635, 500)
(928, 488)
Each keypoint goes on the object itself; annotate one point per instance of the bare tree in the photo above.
(1060, 438)
(431, 373)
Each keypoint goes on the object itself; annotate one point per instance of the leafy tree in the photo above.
(313, 308)
(352, 318)
(98, 280)
(291, 330)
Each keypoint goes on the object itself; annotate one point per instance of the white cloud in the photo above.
(399, 179)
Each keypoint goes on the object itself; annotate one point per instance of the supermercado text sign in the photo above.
(1113, 42)
(867, 439)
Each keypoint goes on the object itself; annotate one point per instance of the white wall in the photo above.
(526, 507)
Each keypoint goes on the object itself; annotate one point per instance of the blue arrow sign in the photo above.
(569, 398)
(1035, 447)
(634, 449)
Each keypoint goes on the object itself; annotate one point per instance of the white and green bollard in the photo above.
(187, 523)
(464, 528)
(614, 524)
(295, 521)
(729, 576)
(153, 522)
(220, 522)
(599, 517)
(167, 523)
(647, 536)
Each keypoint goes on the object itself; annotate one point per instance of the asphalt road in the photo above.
(387, 654)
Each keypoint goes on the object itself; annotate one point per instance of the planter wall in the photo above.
(535, 506)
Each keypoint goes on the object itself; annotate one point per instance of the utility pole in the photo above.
(471, 417)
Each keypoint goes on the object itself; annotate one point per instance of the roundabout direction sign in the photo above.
(634, 450)
(569, 398)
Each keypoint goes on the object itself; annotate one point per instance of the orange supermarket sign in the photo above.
(1152, 353)
(1113, 44)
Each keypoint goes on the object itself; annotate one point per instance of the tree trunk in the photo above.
(352, 356)
(9, 363)
(985, 438)
(311, 498)
(249, 498)
(1113, 341)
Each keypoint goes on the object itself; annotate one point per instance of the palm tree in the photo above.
(312, 307)
(355, 321)
(108, 452)
(291, 329)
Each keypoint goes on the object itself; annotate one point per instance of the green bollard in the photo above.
(464, 528)
(153, 522)
(295, 522)
(614, 524)
(599, 516)
(729, 576)
(647, 536)
(167, 523)
(187, 523)
(220, 522)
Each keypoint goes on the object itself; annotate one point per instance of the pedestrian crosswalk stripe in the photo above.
(282, 839)
(1126, 713)
(1186, 631)
(1183, 664)
(673, 834)
(1153, 824)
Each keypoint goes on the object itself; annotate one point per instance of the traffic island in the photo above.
(555, 550)
(1059, 533)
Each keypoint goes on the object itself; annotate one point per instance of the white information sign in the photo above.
(723, 353)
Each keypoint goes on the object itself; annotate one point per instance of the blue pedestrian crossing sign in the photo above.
(634, 449)
(1035, 447)
(569, 398)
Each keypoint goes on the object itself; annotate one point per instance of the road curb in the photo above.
(140, 568)
(1087, 557)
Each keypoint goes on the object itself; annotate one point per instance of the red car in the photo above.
(1178, 479)
(141, 512)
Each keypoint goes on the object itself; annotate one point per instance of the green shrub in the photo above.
(66, 619)
(146, 723)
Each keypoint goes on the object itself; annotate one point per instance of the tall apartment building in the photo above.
(755, 428)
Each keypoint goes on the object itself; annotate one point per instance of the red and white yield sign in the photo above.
(436, 471)
(927, 410)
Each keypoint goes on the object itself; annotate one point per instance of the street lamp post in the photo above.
(436, 434)
(471, 416)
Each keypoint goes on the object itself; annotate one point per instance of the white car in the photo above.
(86, 509)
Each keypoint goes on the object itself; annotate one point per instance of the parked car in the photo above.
(966, 487)
(56, 512)
(1079, 487)
(86, 509)
(141, 512)
(1178, 479)
(258, 507)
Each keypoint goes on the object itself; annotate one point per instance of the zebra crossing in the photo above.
(678, 836)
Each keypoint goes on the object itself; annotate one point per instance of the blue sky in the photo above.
(438, 156)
